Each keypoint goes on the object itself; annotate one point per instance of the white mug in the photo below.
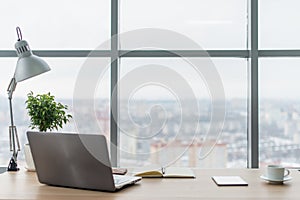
(277, 172)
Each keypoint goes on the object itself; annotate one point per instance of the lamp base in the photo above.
(12, 166)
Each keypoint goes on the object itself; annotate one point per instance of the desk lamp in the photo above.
(28, 66)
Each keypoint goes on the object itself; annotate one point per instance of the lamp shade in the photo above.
(28, 64)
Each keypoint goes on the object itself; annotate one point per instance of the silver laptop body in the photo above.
(75, 160)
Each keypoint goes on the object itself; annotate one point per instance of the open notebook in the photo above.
(170, 172)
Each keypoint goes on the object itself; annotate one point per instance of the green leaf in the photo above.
(45, 113)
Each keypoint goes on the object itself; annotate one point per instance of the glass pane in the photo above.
(278, 24)
(56, 24)
(279, 111)
(214, 24)
(156, 123)
(60, 82)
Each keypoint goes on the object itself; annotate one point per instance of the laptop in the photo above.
(75, 160)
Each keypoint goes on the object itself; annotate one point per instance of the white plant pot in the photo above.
(28, 158)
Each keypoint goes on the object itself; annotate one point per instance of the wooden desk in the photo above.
(24, 185)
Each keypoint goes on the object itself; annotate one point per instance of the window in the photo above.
(62, 28)
(56, 25)
(223, 32)
(58, 76)
(159, 126)
(60, 82)
(277, 24)
(279, 111)
(214, 24)
(278, 82)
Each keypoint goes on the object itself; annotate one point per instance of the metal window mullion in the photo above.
(73, 53)
(134, 53)
(114, 118)
(60, 53)
(279, 53)
(253, 117)
(158, 53)
(8, 53)
(184, 53)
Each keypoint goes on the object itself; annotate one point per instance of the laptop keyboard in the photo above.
(119, 179)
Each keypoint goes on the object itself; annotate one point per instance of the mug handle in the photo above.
(287, 172)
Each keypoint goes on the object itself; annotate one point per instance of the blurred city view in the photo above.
(152, 130)
(140, 146)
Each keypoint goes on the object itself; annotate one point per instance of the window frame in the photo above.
(115, 53)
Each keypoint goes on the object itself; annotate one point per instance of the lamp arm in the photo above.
(10, 90)
(11, 87)
(13, 135)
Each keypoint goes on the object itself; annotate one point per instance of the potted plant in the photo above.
(45, 115)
